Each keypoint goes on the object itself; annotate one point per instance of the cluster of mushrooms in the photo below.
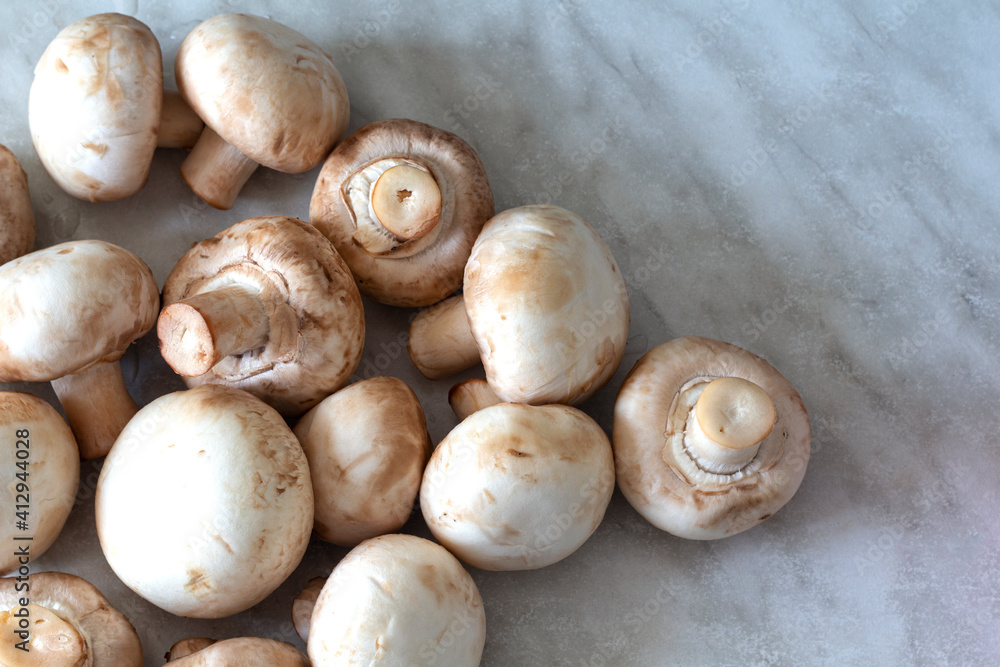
(265, 323)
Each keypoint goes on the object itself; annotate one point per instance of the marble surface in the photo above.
(815, 182)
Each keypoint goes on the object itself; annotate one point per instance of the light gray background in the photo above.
(816, 182)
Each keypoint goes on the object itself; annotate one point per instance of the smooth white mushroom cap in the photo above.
(245, 652)
(656, 472)
(94, 106)
(17, 221)
(547, 305)
(204, 504)
(518, 487)
(398, 600)
(53, 472)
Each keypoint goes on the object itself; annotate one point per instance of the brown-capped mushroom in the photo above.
(186, 647)
(244, 652)
(545, 308)
(267, 306)
(709, 438)
(67, 315)
(268, 96)
(303, 606)
(17, 221)
(367, 446)
(403, 202)
(97, 108)
(64, 621)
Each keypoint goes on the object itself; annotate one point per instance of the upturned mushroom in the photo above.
(268, 95)
(17, 221)
(709, 439)
(403, 202)
(367, 446)
(39, 474)
(245, 652)
(267, 306)
(63, 621)
(545, 308)
(204, 505)
(518, 487)
(97, 108)
(397, 600)
(67, 315)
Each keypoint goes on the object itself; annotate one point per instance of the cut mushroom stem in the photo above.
(731, 417)
(441, 342)
(471, 396)
(216, 170)
(407, 201)
(49, 630)
(180, 126)
(197, 333)
(97, 405)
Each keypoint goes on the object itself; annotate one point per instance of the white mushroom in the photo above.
(303, 606)
(545, 308)
(17, 221)
(39, 471)
(518, 487)
(709, 439)
(398, 600)
(67, 315)
(66, 623)
(403, 202)
(243, 652)
(268, 96)
(97, 108)
(204, 504)
(367, 446)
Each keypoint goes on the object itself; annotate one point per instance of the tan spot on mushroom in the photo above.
(100, 149)
(198, 583)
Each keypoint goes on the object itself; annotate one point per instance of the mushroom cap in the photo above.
(204, 504)
(318, 325)
(660, 479)
(94, 106)
(264, 88)
(547, 305)
(395, 598)
(303, 606)
(53, 472)
(425, 270)
(367, 446)
(111, 639)
(69, 307)
(518, 487)
(17, 221)
(245, 652)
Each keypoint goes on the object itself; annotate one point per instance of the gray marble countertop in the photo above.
(816, 182)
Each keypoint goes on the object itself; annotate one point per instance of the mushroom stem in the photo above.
(216, 170)
(97, 405)
(304, 605)
(54, 641)
(180, 126)
(441, 341)
(407, 201)
(471, 396)
(197, 333)
(730, 419)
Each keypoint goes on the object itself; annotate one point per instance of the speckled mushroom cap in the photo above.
(245, 652)
(73, 624)
(656, 472)
(94, 107)
(397, 600)
(17, 221)
(316, 328)
(50, 464)
(518, 487)
(204, 504)
(265, 89)
(547, 305)
(393, 270)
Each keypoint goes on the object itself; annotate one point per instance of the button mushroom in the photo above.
(303, 606)
(39, 474)
(709, 439)
(545, 308)
(403, 202)
(186, 647)
(518, 487)
(267, 306)
(397, 600)
(17, 221)
(268, 96)
(67, 315)
(66, 623)
(204, 504)
(245, 652)
(97, 109)
(367, 446)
